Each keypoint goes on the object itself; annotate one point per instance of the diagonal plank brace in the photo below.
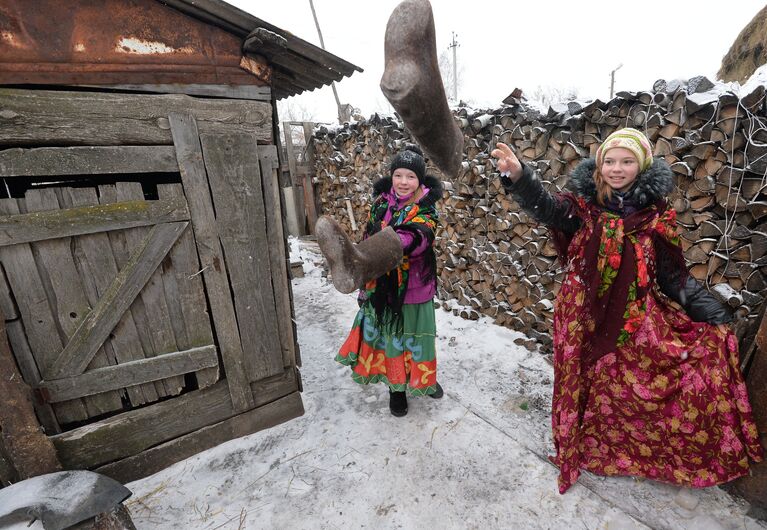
(96, 326)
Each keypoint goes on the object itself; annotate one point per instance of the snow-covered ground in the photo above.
(474, 459)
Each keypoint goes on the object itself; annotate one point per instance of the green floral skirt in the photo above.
(404, 361)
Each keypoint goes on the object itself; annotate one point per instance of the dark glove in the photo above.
(701, 305)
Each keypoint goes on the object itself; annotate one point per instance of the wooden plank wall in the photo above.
(120, 310)
(279, 255)
(42, 117)
(60, 270)
(235, 183)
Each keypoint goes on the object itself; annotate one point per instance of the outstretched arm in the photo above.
(519, 180)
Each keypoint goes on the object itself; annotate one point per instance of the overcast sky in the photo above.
(505, 44)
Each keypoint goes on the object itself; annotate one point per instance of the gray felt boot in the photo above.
(413, 85)
(351, 266)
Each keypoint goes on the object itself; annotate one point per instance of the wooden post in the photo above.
(30, 452)
(309, 197)
(311, 210)
(291, 219)
(309, 201)
(351, 215)
(294, 180)
(754, 487)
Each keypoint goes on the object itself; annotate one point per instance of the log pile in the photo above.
(495, 261)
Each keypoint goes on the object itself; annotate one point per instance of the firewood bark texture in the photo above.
(495, 261)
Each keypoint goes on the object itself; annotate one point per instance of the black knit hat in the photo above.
(410, 157)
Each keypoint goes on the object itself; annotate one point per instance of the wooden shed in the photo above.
(145, 282)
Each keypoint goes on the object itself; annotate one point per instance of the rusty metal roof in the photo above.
(298, 67)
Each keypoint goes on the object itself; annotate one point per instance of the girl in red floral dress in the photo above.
(641, 387)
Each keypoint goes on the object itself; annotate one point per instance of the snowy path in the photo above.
(474, 459)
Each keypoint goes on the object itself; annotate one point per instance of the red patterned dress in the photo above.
(667, 401)
(640, 388)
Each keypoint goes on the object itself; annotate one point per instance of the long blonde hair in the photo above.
(604, 191)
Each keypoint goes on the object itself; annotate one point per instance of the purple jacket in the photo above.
(420, 288)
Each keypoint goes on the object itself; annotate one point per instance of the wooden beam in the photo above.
(311, 210)
(231, 162)
(307, 173)
(47, 161)
(290, 150)
(256, 93)
(34, 117)
(54, 224)
(295, 182)
(129, 433)
(97, 325)
(157, 458)
(189, 154)
(278, 255)
(129, 374)
(132, 432)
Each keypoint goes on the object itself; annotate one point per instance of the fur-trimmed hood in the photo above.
(383, 185)
(653, 184)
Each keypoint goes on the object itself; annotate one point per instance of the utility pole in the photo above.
(454, 45)
(333, 83)
(612, 79)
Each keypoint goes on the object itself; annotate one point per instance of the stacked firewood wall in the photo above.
(495, 261)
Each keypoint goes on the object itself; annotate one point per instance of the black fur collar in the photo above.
(653, 184)
(383, 185)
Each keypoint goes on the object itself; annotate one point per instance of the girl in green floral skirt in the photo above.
(392, 339)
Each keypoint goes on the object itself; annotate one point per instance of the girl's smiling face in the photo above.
(620, 169)
(404, 181)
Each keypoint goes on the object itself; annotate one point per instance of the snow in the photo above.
(758, 78)
(474, 459)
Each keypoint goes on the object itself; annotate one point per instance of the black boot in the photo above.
(398, 403)
(439, 393)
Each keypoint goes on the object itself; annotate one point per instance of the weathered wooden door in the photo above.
(155, 271)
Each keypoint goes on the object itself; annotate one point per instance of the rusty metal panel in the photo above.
(115, 41)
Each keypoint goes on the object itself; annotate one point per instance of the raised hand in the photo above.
(507, 161)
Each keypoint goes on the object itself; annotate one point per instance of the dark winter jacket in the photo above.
(653, 184)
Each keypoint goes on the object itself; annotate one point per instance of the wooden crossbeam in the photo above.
(54, 224)
(47, 161)
(129, 374)
(97, 325)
